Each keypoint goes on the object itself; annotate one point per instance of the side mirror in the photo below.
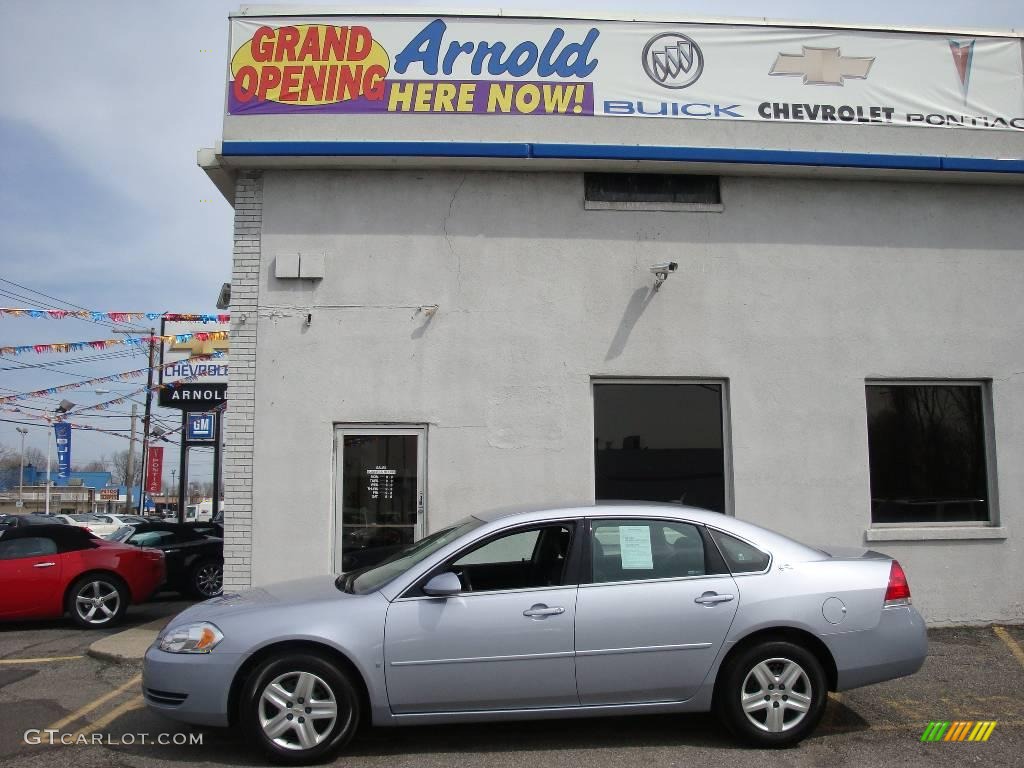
(443, 585)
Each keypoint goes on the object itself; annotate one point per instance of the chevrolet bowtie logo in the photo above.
(199, 347)
(822, 66)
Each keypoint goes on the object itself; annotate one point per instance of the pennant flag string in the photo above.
(124, 376)
(105, 404)
(125, 398)
(116, 317)
(78, 346)
(218, 408)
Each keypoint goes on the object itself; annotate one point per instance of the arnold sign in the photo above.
(393, 65)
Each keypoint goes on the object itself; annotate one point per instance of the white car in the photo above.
(100, 525)
(118, 521)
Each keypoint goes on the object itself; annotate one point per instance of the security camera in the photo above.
(662, 271)
(224, 297)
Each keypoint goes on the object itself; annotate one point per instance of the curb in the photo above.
(128, 646)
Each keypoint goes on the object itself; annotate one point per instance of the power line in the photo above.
(109, 354)
(65, 301)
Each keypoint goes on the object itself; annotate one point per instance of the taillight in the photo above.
(898, 591)
(87, 528)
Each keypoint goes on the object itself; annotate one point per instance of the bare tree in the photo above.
(119, 468)
(96, 465)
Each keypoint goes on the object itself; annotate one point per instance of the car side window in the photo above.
(152, 539)
(29, 546)
(740, 556)
(634, 550)
(533, 558)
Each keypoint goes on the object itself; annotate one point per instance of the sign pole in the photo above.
(218, 416)
(183, 467)
(145, 422)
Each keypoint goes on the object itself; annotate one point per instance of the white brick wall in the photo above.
(238, 446)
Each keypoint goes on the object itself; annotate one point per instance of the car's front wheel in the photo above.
(97, 600)
(772, 694)
(206, 579)
(300, 708)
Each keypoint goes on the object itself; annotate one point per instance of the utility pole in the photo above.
(49, 432)
(129, 478)
(21, 475)
(145, 420)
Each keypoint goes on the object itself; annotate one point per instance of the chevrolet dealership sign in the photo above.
(193, 371)
(390, 66)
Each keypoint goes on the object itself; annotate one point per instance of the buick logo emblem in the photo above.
(673, 60)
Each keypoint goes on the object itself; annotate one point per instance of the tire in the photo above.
(206, 579)
(273, 713)
(97, 601)
(784, 687)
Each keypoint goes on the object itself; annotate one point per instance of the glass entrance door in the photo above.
(379, 499)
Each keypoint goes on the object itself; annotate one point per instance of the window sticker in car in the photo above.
(635, 547)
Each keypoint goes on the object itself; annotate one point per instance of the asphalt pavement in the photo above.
(47, 680)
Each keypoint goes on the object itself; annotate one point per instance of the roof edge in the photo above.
(571, 15)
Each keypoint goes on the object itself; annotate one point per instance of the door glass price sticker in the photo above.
(635, 547)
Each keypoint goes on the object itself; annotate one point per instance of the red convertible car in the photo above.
(49, 570)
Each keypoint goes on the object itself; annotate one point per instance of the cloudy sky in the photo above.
(102, 108)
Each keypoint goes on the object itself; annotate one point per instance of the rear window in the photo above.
(740, 556)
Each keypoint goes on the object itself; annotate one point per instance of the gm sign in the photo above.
(200, 427)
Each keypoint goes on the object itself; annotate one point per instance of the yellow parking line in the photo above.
(95, 703)
(38, 661)
(1015, 649)
(111, 716)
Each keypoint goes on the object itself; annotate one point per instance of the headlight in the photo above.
(190, 638)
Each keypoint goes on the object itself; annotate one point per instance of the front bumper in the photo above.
(895, 647)
(191, 688)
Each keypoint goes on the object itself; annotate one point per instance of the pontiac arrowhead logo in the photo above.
(822, 66)
(963, 56)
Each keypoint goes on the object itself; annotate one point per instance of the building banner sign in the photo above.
(62, 436)
(154, 469)
(505, 66)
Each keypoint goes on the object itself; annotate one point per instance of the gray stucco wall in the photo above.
(796, 293)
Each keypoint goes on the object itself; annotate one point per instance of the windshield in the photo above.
(371, 579)
(121, 533)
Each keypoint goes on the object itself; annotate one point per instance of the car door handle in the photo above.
(712, 598)
(44, 565)
(541, 610)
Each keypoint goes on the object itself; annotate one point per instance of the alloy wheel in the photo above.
(209, 579)
(97, 602)
(776, 695)
(297, 710)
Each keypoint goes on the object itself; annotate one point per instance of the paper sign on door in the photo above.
(635, 547)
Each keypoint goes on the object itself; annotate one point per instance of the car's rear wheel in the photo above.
(207, 579)
(772, 694)
(97, 600)
(300, 708)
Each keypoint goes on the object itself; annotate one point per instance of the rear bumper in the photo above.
(895, 647)
(190, 688)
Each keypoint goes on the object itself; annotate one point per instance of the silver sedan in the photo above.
(600, 610)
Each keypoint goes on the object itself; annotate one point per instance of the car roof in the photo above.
(59, 532)
(757, 535)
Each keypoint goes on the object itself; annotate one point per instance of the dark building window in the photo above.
(926, 445)
(651, 188)
(660, 442)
